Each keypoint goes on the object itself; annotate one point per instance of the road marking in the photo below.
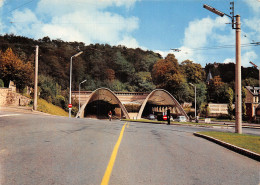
(6, 115)
(110, 165)
(127, 125)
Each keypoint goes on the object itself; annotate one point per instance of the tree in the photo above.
(244, 116)
(230, 103)
(166, 74)
(2, 83)
(194, 73)
(201, 94)
(12, 68)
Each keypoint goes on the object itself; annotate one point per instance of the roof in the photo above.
(253, 90)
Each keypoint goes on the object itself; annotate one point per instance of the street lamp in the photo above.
(195, 99)
(79, 53)
(256, 68)
(79, 91)
(235, 25)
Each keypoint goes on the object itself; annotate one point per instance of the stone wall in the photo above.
(10, 98)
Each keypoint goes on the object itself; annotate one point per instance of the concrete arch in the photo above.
(161, 97)
(106, 95)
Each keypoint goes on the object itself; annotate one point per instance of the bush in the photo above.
(60, 101)
(2, 83)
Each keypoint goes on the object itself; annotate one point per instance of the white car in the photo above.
(181, 119)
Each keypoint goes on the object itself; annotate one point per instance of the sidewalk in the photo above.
(232, 124)
(21, 109)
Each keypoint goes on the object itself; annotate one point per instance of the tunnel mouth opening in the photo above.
(99, 109)
(158, 111)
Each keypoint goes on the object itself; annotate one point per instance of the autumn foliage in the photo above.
(13, 68)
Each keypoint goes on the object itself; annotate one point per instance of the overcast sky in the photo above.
(157, 25)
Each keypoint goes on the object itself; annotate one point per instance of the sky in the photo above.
(158, 25)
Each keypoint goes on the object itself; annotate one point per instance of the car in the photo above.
(151, 117)
(181, 119)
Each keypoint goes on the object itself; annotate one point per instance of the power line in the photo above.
(219, 47)
(28, 2)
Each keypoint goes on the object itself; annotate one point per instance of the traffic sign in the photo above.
(70, 105)
(164, 117)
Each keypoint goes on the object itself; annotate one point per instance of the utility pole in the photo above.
(238, 87)
(237, 26)
(36, 79)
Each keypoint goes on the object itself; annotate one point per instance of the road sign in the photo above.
(70, 105)
(164, 117)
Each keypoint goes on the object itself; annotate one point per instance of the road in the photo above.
(41, 149)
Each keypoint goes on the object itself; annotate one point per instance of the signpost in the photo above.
(164, 117)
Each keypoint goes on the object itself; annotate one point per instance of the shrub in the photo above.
(2, 83)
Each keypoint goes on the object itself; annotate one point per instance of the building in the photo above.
(252, 101)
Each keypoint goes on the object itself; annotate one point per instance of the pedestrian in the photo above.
(110, 115)
(168, 117)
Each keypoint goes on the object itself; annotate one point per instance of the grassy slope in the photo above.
(49, 108)
(249, 142)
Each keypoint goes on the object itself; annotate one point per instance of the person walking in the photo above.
(110, 115)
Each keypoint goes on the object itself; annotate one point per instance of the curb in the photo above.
(234, 148)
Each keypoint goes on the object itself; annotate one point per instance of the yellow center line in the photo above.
(110, 165)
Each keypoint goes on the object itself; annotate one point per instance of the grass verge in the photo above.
(49, 108)
(164, 122)
(248, 142)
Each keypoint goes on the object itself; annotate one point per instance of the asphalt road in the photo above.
(40, 149)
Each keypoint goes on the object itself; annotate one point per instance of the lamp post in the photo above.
(36, 79)
(235, 25)
(71, 78)
(195, 99)
(258, 69)
(79, 91)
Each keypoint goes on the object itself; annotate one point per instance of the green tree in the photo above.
(244, 116)
(2, 83)
(201, 95)
(230, 103)
(193, 72)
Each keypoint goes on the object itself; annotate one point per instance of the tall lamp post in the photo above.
(79, 91)
(258, 69)
(195, 99)
(235, 25)
(79, 53)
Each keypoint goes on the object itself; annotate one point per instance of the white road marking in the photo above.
(6, 115)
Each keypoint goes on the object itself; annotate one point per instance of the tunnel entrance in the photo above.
(99, 109)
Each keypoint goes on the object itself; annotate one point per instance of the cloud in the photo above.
(247, 57)
(254, 24)
(206, 33)
(81, 20)
(23, 22)
(1, 3)
(254, 4)
(199, 34)
(229, 60)
(129, 42)
(199, 31)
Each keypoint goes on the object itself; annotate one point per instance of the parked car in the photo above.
(151, 117)
(181, 119)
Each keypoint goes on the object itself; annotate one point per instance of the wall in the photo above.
(216, 109)
(10, 98)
